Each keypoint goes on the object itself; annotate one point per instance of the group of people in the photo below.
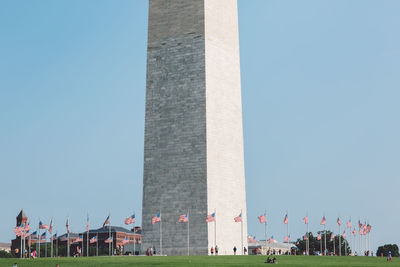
(212, 250)
(151, 251)
(269, 260)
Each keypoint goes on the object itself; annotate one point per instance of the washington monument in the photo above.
(193, 152)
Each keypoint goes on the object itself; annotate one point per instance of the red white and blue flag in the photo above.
(87, 223)
(323, 221)
(108, 240)
(107, 221)
(286, 239)
(271, 240)
(51, 227)
(156, 218)
(251, 239)
(79, 239)
(286, 219)
(319, 237)
(67, 225)
(338, 222)
(43, 226)
(43, 236)
(183, 218)
(93, 240)
(305, 237)
(238, 218)
(130, 219)
(349, 224)
(54, 237)
(125, 241)
(305, 219)
(262, 218)
(344, 234)
(211, 217)
(332, 236)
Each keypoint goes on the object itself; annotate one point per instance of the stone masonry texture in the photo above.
(193, 154)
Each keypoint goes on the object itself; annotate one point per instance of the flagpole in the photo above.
(109, 235)
(308, 238)
(320, 242)
(68, 248)
(87, 235)
(45, 245)
(325, 239)
(134, 235)
(351, 239)
(20, 242)
(23, 244)
(29, 246)
(57, 247)
(40, 237)
(188, 233)
(334, 248)
(160, 233)
(241, 230)
(97, 244)
(340, 243)
(52, 240)
(215, 228)
(265, 215)
(287, 231)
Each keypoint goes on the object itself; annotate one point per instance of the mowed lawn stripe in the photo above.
(201, 261)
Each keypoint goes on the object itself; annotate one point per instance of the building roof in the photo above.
(22, 215)
(113, 229)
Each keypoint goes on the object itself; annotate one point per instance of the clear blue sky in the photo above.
(321, 91)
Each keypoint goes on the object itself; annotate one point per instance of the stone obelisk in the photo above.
(193, 153)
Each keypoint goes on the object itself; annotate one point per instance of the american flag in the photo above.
(79, 239)
(211, 217)
(18, 231)
(93, 240)
(319, 237)
(323, 221)
(365, 226)
(51, 227)
(65, 237)
(286, 239)
(332, 236)
(305, 219)
(108, 240)
(54, 237)
(156, 218)
(43, 226)
(344, 234)
(67, 225)
(369, 227)
(107, 221)
(27, 227)
(183, 218)
(305, 237)
(43, 236)
(251, 239)
(130, 219)
(238, 218)
(87, 223)
(271, 239)
(359, 224)
(125, 241)
(349, 224)
(354, 232)
(361, 231)
(33, 235)
(262, 218)
(338, 222)
(286, 219)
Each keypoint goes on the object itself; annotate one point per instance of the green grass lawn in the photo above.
(203, 261)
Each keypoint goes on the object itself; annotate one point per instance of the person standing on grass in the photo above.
(234, 250)
(216, 250)
(212, 250)
(15, 265)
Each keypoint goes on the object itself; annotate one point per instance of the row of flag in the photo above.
(185, 218)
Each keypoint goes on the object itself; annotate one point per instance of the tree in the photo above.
(5, 254)
(384, 250)
(315, 245)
